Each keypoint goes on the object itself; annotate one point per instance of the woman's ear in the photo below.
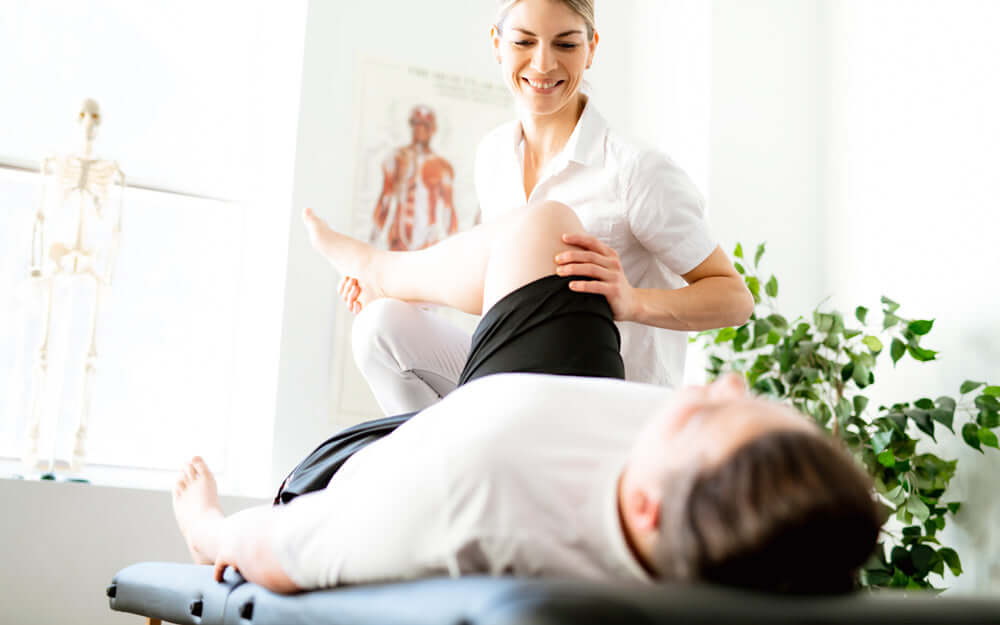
(495, 39)
(593, 48)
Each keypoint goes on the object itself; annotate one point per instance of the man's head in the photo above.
(726, 488)
(423, 123)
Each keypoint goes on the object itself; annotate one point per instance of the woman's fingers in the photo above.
(585, 269)
(592, 286)
(580, 256)
(588, 242)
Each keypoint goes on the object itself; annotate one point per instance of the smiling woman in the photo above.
(645, 247)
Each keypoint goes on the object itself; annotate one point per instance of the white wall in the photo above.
(861, 140)
(765, 186)
(913, 212)
(62, 543)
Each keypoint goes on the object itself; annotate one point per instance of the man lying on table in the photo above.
(522, 472)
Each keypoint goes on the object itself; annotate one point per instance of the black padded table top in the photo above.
(187, 594)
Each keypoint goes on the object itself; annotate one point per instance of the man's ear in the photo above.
(644, 509)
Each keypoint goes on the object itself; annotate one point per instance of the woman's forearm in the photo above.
(712, 302)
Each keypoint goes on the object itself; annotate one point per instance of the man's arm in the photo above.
(245, 545)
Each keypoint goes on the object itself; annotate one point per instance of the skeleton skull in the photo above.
(89, 119)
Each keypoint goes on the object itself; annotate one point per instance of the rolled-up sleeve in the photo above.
(666, 213)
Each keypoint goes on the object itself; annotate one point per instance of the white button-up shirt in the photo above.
(634, 199)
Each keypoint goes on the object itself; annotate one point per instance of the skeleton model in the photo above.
(75, 236)
(415, 209)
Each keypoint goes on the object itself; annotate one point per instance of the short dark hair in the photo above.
(788, 511)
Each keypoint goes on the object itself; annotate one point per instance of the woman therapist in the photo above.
(648, 245)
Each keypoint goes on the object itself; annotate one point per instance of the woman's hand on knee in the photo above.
(596, 260)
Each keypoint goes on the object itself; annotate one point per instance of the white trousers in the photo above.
(410, 357)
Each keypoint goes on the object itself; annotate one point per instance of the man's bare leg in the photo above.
(196, 508)
(454, 272)
(525, 249)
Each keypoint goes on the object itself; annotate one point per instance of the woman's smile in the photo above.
(542, 86)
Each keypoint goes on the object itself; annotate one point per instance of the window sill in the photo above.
(118, 477)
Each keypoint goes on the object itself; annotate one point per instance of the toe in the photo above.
(200, 465)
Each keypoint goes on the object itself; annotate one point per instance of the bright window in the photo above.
(199, 107)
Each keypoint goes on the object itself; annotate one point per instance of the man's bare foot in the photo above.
(196, 507)
(352, 258)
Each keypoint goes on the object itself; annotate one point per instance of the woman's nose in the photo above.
(542, 60)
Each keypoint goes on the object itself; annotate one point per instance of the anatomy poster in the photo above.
(417, 130)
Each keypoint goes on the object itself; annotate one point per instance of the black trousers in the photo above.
(542, 327)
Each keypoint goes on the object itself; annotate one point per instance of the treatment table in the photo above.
(187, 594)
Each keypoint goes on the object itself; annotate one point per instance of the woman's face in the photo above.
(543, 50)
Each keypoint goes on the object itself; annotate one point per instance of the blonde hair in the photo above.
(583, 8)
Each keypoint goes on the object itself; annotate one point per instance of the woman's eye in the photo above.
(567, 46)
(522, 43)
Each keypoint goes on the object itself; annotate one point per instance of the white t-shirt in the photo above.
(633, 199)
(512, 473)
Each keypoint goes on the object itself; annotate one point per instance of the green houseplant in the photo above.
(823, 365)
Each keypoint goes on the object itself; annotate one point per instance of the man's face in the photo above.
(423, 130)
(703, 425)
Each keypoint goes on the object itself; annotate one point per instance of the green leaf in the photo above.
(988, 438)
(880, 440)
(921, 354)
(943, 417)
(886, 458)
(916, 507)
(970, 432)
(843, 411)
(773, 337)
(923, 558)
(778, 321)
(861, 313)
(923, 403)
(860, 403)
(725, 334)
(890, 306)
(946, 403)
(922, 419)
(988, 419)
(738, 252)
(861, 375)
(951, 559)
(992, 391)
(754, 285)
(968, 386)
(739, 268)
(921, 327)
(897, 350)
(986, 402)
(850, 334)
(873, 343)
(954, 507)
(759, 254)
(771, 288)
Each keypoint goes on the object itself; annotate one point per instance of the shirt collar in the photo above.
(585, 145)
